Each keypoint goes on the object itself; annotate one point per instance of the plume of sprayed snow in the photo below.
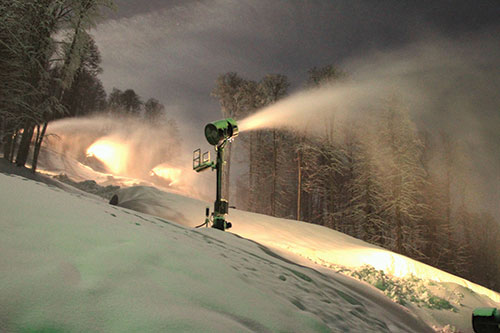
(305, 110)
(454, 82)
(145, 146)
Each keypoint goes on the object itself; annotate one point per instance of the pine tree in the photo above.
(270, 89)
(27, 27)
(153, 111)
(309, 158)
(436, 250)
(360, 214)
(323, 167)
(398, 157)
(80, 16)
(124, 103)
(86, 94)
(34, 95)
(485, 246)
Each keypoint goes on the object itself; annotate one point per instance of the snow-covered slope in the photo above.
(71, 262)
(437, 297)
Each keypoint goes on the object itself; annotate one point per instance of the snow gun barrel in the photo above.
(220, 131)
(486, 320)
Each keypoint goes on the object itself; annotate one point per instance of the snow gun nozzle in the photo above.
(220, 131)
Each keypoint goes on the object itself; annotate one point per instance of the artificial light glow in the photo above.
(171, 175)
(112, 153)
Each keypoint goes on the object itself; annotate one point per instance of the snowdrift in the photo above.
(327, 250)
(71, 262)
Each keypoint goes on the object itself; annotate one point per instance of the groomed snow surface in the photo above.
(73, 263)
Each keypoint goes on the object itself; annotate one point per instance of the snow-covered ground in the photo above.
(72, 262)
(436, 297)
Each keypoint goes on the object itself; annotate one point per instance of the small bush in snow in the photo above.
(400, 290)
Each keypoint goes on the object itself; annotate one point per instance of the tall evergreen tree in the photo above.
(399, 155)
(154, 111)
(124, 102)
(87, 93)
(270, 89)
(27, 28)
(29, 34)
(309, 159)
(79, 16)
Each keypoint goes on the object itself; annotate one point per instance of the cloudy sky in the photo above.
(174, 50)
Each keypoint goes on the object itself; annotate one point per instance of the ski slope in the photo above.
(72, 262)
(328, 251)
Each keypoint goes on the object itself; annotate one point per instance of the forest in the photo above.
(380, 179)
(49, 69)
(383, 180)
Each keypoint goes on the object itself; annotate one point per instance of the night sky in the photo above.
(174, 50)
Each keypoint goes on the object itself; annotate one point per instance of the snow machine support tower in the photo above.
(218, 133)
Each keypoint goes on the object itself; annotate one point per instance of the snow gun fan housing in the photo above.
(220, 131)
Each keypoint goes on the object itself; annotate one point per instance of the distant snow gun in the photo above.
(219, 134)
(486, 320)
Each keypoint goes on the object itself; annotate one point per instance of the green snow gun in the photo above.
(218, 134)
(486, 320)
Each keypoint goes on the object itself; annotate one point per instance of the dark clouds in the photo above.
(174, 50)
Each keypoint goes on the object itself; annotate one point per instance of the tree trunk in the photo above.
(299, 184)
(399, 222)
(399, 233)
(275, 176)
(2, 135)
(13, 146)
(38, 145)
(257, 193)
(24, 146)
(251, 175)
(7, 145)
